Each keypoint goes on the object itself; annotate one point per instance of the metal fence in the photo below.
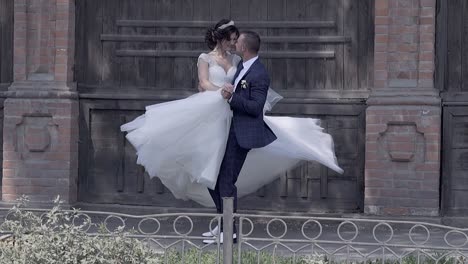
(283, 239)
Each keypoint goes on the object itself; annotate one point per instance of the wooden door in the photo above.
(131, 53)
(452, 80)
(6, 59)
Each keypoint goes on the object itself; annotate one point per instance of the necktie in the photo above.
(240, 66)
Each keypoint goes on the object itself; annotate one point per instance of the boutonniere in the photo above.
(244, 84)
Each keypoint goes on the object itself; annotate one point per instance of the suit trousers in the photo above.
(231, 166)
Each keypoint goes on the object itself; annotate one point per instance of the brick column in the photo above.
(403, 118)
(40, 139)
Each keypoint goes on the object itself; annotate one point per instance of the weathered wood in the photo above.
(140, 186)
(240, 24)
(291, 97)
(295, 68)
(110, 64)
(295, 76)
(129, 73)
(455, 45)
(121, 157)
(6, 42)
(316, 68)
(91, 62)
(335, 72)
(199, 39)
(451, 68)
(146, 53)
(184, 67)
(80, 41)
(276, 67)
(261, 13)
(196, 53)
(464, 51)
(455, 160)
(304, 180)
(365, 44)
(164, 66)
(147, 66)
(219, 10)
(351, 51)
(446, 194)
(6, 58)
(441, 45)
(322, 171)
(200, 13)
(4, 86)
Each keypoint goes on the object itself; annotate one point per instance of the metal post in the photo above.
(228, 228)
(239, 241)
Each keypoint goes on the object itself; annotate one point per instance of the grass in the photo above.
(193, 256)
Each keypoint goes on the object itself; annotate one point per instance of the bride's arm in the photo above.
(203, 78)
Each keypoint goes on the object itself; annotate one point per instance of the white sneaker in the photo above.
(213, 239)
(211, 233)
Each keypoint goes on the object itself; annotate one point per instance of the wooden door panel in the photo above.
(455, 160)
(131, 53)
(6, 43)
(452, 81)
(112, 170)
(6, 59)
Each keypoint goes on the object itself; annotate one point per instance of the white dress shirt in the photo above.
(247, 65)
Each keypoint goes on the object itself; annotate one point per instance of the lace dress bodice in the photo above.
(217, 75)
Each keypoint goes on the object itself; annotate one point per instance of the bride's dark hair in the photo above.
(216, 34)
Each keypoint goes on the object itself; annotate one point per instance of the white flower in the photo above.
(244, 84)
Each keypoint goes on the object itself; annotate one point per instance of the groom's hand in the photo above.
(226, 91)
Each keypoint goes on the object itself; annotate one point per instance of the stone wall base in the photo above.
(40, 142)
(402, 167)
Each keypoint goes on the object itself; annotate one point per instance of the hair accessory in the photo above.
(230, 23)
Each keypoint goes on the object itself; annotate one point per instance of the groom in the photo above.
(246, 96)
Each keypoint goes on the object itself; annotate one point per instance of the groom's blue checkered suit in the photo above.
(248, 130)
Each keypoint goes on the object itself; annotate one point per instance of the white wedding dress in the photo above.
(182, 142)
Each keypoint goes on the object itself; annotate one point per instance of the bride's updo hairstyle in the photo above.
(219, 32)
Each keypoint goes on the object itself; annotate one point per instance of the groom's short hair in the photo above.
(251, 40)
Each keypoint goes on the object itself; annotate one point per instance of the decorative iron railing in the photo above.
(297, 239)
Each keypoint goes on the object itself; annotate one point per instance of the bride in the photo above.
(183, 142)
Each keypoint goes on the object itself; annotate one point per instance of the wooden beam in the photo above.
(196, 53)
(242, 24)
(199, 39)
(4, 86)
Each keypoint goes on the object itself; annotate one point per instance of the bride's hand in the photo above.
(226, 91)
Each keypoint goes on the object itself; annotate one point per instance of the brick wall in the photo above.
(402, 160)
(40, 136)
(403, 120)
(404, 43)
(40, 155)
(20, 37)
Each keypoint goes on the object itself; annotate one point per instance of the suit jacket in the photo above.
(247, 106)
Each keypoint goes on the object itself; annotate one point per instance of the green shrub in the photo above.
(52, 238)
